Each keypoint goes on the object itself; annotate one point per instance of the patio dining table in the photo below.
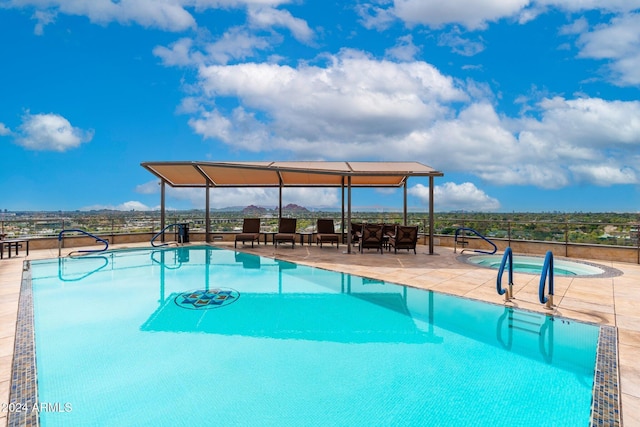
(13, 243)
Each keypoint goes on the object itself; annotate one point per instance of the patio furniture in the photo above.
(13, 244)
(326, 233)
(371, 237)
(250, 232)
(356, 232)
(388, 230)
(406, 238)
(286, 232)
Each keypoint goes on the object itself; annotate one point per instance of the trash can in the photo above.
(183, 233)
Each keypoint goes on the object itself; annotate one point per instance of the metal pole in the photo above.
(207, 218)
(431, 215)
(349, 214)
(162, 207)
(405, 202)
(280, 203)
(342, 220)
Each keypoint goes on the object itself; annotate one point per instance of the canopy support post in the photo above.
(349, 214)
(207, 215)
(162, 209)
(431, 221)
(342, 219)
(405, 203)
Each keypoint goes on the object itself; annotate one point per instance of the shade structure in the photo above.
(287, 174)
(200, 174)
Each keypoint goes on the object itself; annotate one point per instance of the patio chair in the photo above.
(388, 231)
(286, 232)
(406, 238)
(356, 232)
(250, 232)
(371, 237)
(326, 232)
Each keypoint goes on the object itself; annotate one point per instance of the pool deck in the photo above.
(611, 301)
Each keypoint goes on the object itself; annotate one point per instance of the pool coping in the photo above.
(23, 396)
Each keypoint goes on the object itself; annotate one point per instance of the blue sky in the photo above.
(524, 105)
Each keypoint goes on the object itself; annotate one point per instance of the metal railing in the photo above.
(565, 232)
(86, 233)
(547, 271)
(463, 230)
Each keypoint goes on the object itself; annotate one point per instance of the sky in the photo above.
(524, 105)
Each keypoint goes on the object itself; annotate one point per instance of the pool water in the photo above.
(206, 336)
(533, 265)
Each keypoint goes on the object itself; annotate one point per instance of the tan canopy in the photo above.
(287, 174)
(293, 174)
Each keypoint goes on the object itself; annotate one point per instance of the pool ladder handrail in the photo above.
(547, 271)
(87, 274)
(455, 241)
(507, 258)
(161, 232)
(77, 230)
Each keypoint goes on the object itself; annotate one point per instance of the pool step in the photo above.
(526, 324)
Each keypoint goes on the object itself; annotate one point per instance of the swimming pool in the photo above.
(533, 265)
(206, 336)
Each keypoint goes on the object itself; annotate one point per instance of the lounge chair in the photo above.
(250, 232)
(326, 232)
(371, 237)
(406, 238)
(286, 232)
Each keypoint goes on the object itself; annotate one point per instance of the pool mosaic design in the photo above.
(207, 298)
(605, 403)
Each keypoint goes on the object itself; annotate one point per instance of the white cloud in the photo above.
(605, 175)
(459, 44)
(578, 26)
(452, 196)
(151, 187)
(50, 132)
(43, 18)
(235, 44)
(477, 14)
(357, 107)
(355, 96)
(167, 15)
(374, 17)
(404, 50)
(573, 141)
(268, 17)
(4, 130)
(473, 14)
(179, 53)
(618, 42)
(126, 206)
(582, 5)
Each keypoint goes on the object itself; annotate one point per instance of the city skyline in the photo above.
(524, 105)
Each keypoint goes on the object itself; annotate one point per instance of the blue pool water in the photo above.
(533, 265)
(205, 336)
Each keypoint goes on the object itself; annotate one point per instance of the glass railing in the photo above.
(568, 232)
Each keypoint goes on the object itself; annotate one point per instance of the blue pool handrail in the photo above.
(77, 230)
(85, 274)
(160, 233)
(547, 271)
(455, 241)
(507, 258)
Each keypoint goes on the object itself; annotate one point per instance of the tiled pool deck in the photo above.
(609, 301)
